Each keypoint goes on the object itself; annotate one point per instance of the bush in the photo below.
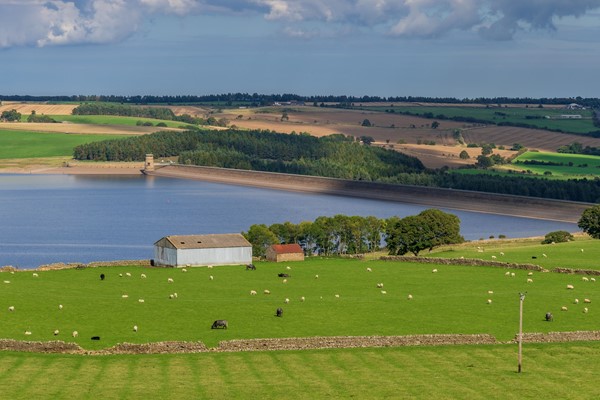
(558, 237)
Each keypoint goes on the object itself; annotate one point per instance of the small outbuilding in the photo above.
(285, 252)
(218, 249)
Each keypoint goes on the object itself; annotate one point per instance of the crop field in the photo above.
(23, 144)
(113, 120)
(571, 165)
(520, 115)
(39, 108)
(552, 371)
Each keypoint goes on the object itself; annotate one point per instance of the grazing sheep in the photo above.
(169, 280)
(512, 274)
(253, 292)
(279, 312)
(337, 296)
(490, 292)
(581, 250)
(570, 287)
(529, 280)
(549, 316)
(124, 296)
(266, 291)
(286, 301)
(60, 306)
(316, 276)
(501, 253)
(544, 255)
(489, 301)
(75, 334)
(211, 277)
(28, 332)
(56, 332)
(530, 274)
(11, 308)
(434, 270)
(593, 279)
(493, 257)
(220, 323)
(171, 296)
(102, 277)
(209, 266)
(135, 328)
(288, 267)
(120, 275)
(410, 297)
(175, 294)
(284, 281)
(587, 301)
(141, 300)
(143, 276)
(369, 269)
(302, 298)
(184, 270)
(383, 292)
(507, 273)
(6, 281)
(380, 285)
(563, 308)
(585, 310)
(585, 279)
(35, 275)
(576, 301)
(128, 274)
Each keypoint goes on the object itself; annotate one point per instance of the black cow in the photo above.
(102, 277)
(250, 267)
(220, 323)
(533, 257)
(279, 312)
(95, 338)
(549, 316)
(282, 275)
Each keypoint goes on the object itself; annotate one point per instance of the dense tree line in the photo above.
(343, 234)
(333, 156)
(124, 110)
(577, 148)
(260, 99)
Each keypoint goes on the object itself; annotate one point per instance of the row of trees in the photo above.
(10, 116)
(343, 234)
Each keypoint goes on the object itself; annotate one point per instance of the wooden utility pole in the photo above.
(521, 299)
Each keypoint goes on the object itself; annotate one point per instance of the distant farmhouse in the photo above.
(574, 106)
(220, 249)
(285, 252)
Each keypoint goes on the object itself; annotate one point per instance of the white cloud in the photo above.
(58, 22)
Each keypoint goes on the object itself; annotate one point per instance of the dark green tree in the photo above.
(435, 125)
(484, 162)
(366, 122)
(260, 237)
(367, 140)
(464, 155)
(590, 221)
(10, 115)
(557, 237)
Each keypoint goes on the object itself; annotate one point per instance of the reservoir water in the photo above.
(74, 218)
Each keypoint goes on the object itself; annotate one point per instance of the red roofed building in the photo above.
(285, 252)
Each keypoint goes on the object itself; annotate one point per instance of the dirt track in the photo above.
(529, 207)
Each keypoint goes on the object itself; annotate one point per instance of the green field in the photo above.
(550, 371)
(23, 144)
(114, 120)
(573, 165)
(510, 115)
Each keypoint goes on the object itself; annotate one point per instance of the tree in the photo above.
(487, 149)
(12, 115)
(435, 124)
(464, 155)
(285, 116)
(367, 140)
(366, 122)
(557, 237)
(484, 162)
(590, 221)
(260, 237)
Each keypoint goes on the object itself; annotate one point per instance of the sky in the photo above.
(434, 48)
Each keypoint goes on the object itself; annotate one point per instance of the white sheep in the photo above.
(570, 287)
(286, 301)
(593, 279)
(302, 298)
(253, 292)
(490, 292)
(489, 301)
(125, 296)
(184, 270)
(75, 334)
(284, 281)
(128, 274)
(507, 273)
(175, 294)
(209, 266)
(369, 269)
(317, 276)
(585, 279)
(494, 257)
(288, 267)
(530, 274)
(501, 253)
(587, 301)
(211, 277)
(28, 332)
(35, 275)
(141, 300)
(56, 332)
(120, 275)
(563, 308)
(544, 255)
(585, 310)
(383, 292)
(135, 328)
(410, 296)
(380, 285)
(169, 280)
(171, 296)
(143, 276)
(434, 270)
(529, 280)
(266, 291)
(337, 296)
(576, 301)
(60, 306)
(512, 274)
(6, 281)
(581, 250)
(11, 308)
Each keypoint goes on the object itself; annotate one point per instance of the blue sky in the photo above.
(438, 48)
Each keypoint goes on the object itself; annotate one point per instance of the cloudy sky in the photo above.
(456, 48)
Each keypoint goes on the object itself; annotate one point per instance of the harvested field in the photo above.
(83, 129)
(39, 108)
(438, 156)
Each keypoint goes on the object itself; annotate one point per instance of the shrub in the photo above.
(558, 237)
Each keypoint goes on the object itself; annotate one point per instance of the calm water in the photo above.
(62, 218)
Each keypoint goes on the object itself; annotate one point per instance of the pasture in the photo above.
(453, 300)
(564, 166)
(114, 120)
(25, 144)
(559, 371)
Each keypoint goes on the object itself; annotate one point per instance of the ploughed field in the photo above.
(343, 301)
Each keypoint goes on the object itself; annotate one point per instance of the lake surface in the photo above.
(74, 218)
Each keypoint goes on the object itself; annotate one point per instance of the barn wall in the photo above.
(290, 257)
(216, 256)
(165, 256)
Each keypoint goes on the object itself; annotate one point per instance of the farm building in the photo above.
(220, 249)
(285, 252)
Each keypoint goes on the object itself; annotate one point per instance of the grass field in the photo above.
(550, 371)
(574, 165)
(510, 115)
(23, 144)
(114, 120)
(454, 300)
